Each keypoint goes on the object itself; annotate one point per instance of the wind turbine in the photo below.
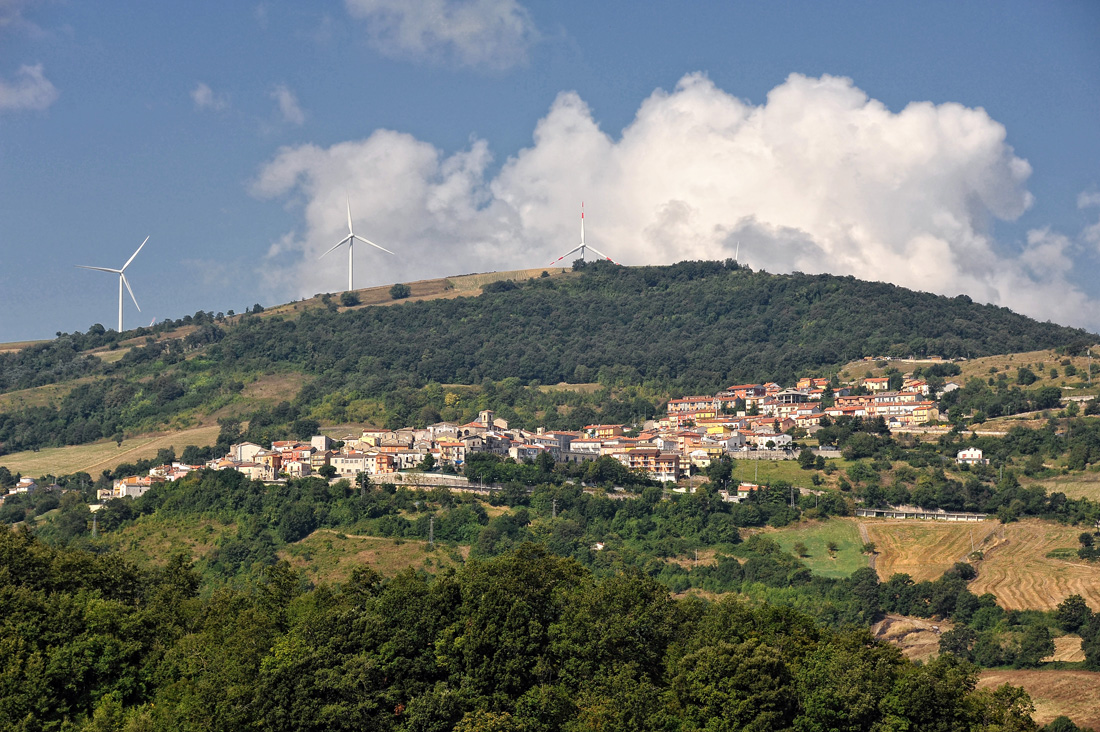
(121, 281)
(583, 246)
(350, 241)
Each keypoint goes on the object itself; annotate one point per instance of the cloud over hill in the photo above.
(818, 178)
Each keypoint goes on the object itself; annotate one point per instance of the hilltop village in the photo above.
(761, 419)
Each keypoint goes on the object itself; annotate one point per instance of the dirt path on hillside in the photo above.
(866, 539)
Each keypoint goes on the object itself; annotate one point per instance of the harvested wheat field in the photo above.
(97, 456)
(923, 549)
(1067, 648)
(1075, 694)
(1022, 577)
(1016, 568)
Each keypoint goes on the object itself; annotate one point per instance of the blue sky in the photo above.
(949, 147)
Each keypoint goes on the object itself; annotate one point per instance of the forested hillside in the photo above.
(700, 325)
(689, 327)
(525, 641)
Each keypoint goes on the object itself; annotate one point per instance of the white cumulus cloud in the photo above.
(288, 105)
(490, 34)
(205, 98)
(818, 178)
(29, 89)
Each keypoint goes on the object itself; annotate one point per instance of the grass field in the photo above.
(748, 470)
(563, 386)
(447, 287)
(274, 388)
(816, 536)
(17, 345)
(108, 356)
(151, 542)
(1076, 485)
(1015, 568)
(328, 556)
(98, 456)
(1076, 694)
(1040, 362)
(39, 396)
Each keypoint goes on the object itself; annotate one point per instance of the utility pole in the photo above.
(95, 525)
(554, 508)
(431, 531)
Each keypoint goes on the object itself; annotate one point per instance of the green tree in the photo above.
(1036, 644)
(720, 471)
(932, 697)
(843, 681)
(959, 642)
(362, 480)
(349, 299)
(1073, 613)
(500, 644)
(734, 686)
(400, 292)
(483, 721)
(806, 459)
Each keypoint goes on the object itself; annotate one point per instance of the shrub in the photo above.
(400, 291)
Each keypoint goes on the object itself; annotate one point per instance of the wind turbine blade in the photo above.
(597, 251)
(350, 232)
(337, 246)
(99, 269)
(574, 249)
(127, 283)
(368, 241)
(132, 258)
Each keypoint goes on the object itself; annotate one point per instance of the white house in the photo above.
(778, 440)
(971, 456)
(244, 452)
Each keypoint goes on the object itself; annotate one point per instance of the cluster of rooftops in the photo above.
(695, 431)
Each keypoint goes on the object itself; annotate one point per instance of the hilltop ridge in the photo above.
(692, 327)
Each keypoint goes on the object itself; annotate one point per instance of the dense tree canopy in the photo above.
(525, 641)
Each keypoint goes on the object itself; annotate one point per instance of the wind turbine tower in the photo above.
(583, 246)
(121, 281)
(350, 241)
